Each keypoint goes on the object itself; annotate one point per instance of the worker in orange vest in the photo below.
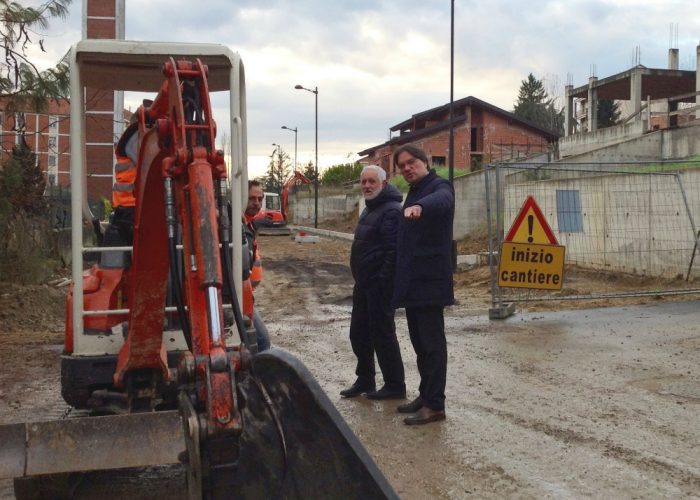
(255, 199)
(120, 231)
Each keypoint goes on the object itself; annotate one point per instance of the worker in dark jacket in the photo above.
(423, 283)
(372, 261)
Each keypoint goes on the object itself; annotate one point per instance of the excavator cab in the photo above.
(242, 425)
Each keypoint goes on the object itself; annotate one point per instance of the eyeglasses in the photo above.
(408, 163)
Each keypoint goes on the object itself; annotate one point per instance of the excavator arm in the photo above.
(246, 426)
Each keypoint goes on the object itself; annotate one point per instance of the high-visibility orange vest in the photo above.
(256, 272)
(124, 179)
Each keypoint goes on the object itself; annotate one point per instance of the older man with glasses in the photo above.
(372, 262)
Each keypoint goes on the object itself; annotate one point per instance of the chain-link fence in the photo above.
(628, 228)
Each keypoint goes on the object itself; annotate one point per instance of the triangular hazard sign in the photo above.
(530, 226)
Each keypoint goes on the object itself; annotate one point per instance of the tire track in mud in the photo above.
(297, 286)
(682, 475)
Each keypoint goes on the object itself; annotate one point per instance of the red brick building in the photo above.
(47, 133)
(482, 133)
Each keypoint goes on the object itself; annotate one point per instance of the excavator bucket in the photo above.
(90, 443)
(295, 444)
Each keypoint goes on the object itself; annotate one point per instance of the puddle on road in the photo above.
(671, 386)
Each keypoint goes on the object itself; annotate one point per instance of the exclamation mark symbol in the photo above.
(530, 224)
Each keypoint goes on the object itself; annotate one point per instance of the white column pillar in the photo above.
(592, 104)
(568, 110)
(636, 92)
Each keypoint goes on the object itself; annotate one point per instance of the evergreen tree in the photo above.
(535, 105)
(310, 171)
(608, 113)
(22, 183)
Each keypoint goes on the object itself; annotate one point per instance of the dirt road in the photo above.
(560, 404)
(570, 404)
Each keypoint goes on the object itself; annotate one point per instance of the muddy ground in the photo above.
(551, 403)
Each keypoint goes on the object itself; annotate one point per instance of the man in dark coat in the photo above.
(423, 283)
(372, 261)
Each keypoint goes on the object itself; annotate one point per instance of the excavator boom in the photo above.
(242, 424)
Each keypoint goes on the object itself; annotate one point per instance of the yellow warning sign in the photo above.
(529, 265)
(530, 226)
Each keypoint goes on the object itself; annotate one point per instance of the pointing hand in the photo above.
(413, 212)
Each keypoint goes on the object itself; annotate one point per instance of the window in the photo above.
(569, 211)
(438, 161)
(52, 170)
(272, 201)
(53, 123)
(53, 142)
(19, 127)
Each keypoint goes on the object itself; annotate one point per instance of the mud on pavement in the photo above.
(556, 404)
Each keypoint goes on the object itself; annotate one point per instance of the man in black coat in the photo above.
(372, 261)
(423, 283)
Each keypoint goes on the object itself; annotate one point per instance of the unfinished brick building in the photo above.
(47, 133)
(482, 133)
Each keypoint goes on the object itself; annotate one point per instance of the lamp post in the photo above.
(295, 143)
(315, 92)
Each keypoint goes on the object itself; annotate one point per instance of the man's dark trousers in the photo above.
(372, 329)
(426, 327)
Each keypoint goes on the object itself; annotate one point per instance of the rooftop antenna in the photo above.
(637, 56)
(675, 45)
(673, 36)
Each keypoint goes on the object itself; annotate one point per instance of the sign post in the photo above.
(530, 254)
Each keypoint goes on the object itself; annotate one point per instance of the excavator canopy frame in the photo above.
(120, 65)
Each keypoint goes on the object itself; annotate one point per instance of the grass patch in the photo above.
(693, 162)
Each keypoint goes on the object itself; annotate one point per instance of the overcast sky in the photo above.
(378, 62)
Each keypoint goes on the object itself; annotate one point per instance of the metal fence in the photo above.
(629, 229)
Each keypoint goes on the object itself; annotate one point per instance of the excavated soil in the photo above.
(552, 403)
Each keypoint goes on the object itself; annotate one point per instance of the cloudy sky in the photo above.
(378, 62)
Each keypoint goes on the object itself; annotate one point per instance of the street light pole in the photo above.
(451, 153)
(315, 92)
(295, 143)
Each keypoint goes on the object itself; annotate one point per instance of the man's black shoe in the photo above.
(356, 389)
(424, 416)
(385, 393)
(411, 407)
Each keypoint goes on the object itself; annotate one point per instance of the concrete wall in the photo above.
(581, 143)
(329, 207)
(631, 223)
(666, 144)
(680, 142)
(470, 204)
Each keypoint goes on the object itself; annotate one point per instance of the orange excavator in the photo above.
(272, 218)
(159, 377)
